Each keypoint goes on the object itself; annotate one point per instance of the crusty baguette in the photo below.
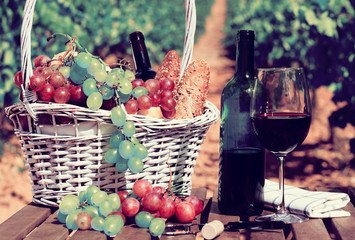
(170, 68)
(192, 90)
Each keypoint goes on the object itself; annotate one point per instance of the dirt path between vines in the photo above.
(210, 48)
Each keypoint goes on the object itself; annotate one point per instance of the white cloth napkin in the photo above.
(313, 204)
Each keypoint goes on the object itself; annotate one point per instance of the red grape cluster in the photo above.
(50, 84)
(146, 206)
(152, 93)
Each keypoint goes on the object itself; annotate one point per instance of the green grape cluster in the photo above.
(94, 209)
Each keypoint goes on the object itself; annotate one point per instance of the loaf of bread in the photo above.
(192, 90)
(170, 68)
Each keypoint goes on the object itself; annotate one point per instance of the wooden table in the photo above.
(34, 222)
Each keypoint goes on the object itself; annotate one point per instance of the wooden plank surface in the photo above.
(310, 230)
(51, 229)
(23, 222)
(344, 227)
(266, 234)
(215, 214)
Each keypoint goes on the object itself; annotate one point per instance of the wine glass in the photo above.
(281, 117)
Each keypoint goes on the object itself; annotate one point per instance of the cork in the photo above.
(212, 229)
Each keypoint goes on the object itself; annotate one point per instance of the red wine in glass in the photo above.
(281, 132)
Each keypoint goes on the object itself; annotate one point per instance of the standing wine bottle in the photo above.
(242, 158)
(144, 70)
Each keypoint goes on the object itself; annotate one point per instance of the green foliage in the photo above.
(315, 34)
(100, 26)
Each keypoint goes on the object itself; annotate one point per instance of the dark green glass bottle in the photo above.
(142, 64)
(242, 158)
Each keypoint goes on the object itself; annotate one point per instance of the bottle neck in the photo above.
(140, 54)
(245, 58)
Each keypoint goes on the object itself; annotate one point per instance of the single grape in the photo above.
(57, 79)
(116, 139)
(118, 213)
(123, 195)
(118, 116)
(140, 151)
(129, 129)
(121, 164)
(196, 202)
(90, 191)
(135, 164)
(185, 212)
(126, 149)
(68, 204)
(112, 155)
(159, 189)
(157, 227)
(143, 219)
(168, 114)
(124, 97)
(61, 217)
(113, 225)
(100, 75)
(83, 59)
(134, 140)
(18, 80)
(152, 201)
(98, 198)
(70, 220)
(105, 208)
(41, 60)
(89, 86)
(129, 75)
(61, 95)
(156, 98)
(97, 223)
(142, 187)
(37, 82)
(168, 103)
(130, 207)
(47, 92)
(65, 70)
(77, 94)
(46, 72)
(167, 207)
(94, 66)
(131, 106)
(77, 74)
(139, 91)
(82, 196)
(144, 102)
(125, 86)
(114, 200)
(93, 211)
(94, 101)
(137, 82)
(166, 93)
(152, 85)
(83, 220)
(112, 79)
(167, 84)
(106, 92)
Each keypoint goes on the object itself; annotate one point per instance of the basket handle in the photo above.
(26, 65)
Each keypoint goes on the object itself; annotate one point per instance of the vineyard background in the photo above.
(317, 35)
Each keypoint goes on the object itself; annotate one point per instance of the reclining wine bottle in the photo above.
(142, 64)
(242, 158)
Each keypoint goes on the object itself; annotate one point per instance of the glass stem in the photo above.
(281, 209)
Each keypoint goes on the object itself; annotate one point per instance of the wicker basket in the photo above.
(67, 158)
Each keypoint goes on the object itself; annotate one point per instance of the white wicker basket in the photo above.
(67, 158)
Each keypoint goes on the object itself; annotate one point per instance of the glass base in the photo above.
(285, 217)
